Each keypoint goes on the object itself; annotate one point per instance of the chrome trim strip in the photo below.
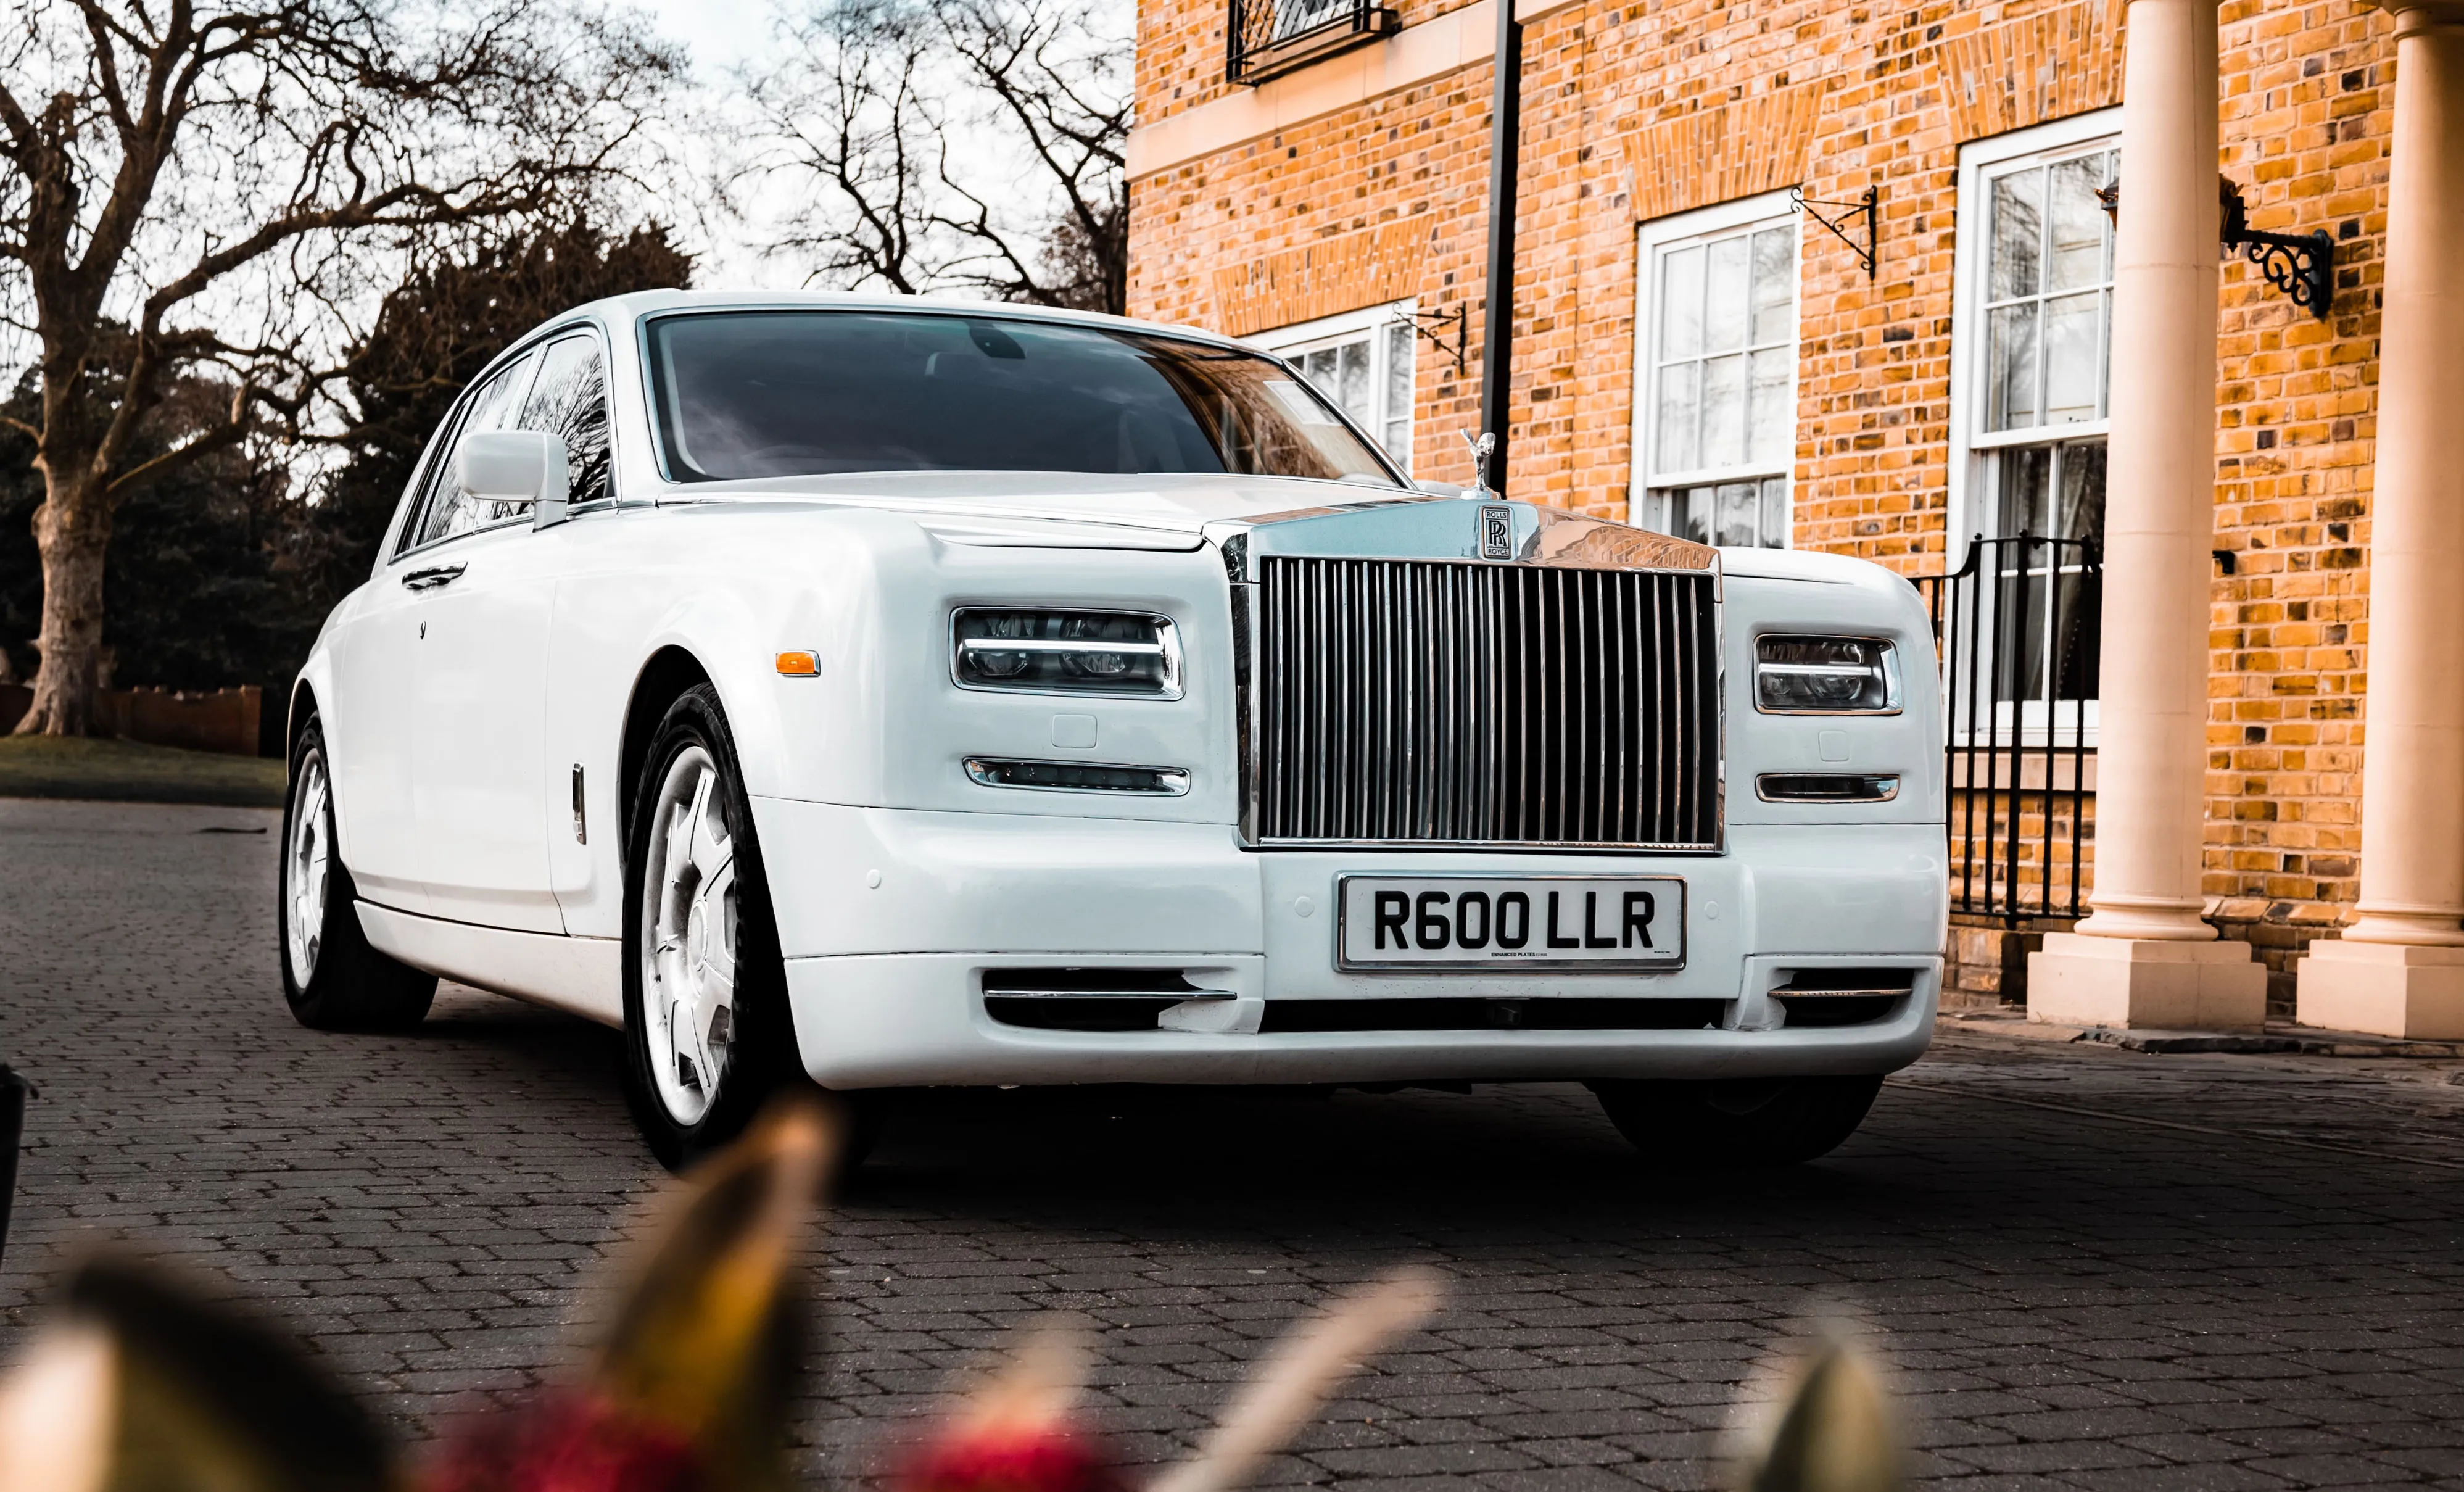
(1168, 996)
(968, 644)
(1172, 782)
(1246, 725)
(1784, 992)
(1884, 786)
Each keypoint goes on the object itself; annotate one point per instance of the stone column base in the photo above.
(2146, 982)
(2387, 989)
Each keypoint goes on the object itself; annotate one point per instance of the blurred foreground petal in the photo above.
(1835, 1431)
(1298, 1378)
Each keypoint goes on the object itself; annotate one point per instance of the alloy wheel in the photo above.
(306, 870)
(688, 924)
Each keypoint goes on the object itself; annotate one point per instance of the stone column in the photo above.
(2144, 958)
(2399, 968)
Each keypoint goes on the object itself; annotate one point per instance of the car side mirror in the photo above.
(525, 466)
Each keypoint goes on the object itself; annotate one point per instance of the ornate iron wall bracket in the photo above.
(1435, 331)
(1868, 207)
(2301, 265)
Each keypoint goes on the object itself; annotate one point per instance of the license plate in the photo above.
(1598, 924)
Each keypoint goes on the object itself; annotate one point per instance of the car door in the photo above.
(368, 739)
(481, 773)
(372, 719)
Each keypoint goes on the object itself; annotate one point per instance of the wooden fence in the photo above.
(227, 720)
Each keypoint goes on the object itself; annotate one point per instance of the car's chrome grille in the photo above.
(1413, 702)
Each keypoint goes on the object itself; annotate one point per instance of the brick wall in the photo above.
(2309, 101)
(1639, 109)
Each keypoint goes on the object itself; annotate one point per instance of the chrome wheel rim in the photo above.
(306, 862)
(688, 927)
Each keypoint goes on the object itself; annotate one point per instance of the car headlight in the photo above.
(1825, 675)
(1066, 652)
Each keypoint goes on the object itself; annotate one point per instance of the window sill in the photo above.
(1271, 63)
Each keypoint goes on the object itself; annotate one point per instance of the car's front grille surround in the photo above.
(1436, 703)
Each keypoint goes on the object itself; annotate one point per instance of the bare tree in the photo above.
(854, 134)
(230, 188)
(960, 143)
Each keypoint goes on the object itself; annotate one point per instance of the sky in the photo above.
(717, 33)
(718, 37)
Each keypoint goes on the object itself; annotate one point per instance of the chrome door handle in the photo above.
(434, 577)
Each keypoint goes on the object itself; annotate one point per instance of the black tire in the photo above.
(1737, 1123)
(346, 985)
(761, 1051)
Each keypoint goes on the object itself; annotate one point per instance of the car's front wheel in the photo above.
(1737, 1122)
(707, 1033)
(333, 978)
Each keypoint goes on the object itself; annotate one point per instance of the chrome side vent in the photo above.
(1827, 787)
(1436, 703)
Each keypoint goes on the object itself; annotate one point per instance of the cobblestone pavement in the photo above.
(2088, 1268)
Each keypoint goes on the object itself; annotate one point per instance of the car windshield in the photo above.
(793, 393)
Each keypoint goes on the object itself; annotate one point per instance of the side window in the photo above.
(570, 400)
(443, 510)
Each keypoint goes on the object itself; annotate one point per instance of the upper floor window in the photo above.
(2032, 321)
(2048, 291)
(1715, 373)
(1361, 361)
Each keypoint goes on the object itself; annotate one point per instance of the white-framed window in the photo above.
(1715, 372)
(2032, 319)
(1361, 359)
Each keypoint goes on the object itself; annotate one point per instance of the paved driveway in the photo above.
(2089, 1267)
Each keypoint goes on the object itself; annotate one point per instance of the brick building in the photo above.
(1698, 352)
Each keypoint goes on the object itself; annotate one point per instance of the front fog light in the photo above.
(1825, 675)
(1066, 652)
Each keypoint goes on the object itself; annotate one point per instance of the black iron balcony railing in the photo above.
(2018, 629)
(1270, 37)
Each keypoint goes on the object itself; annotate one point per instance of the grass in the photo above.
(50, 766)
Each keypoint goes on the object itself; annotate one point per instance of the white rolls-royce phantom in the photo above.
(896, 693)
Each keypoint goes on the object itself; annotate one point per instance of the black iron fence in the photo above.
(1268, 37)
(2018, 629)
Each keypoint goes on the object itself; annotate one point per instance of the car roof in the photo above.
(641, 304)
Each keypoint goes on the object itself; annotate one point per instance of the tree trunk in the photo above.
(72, 531)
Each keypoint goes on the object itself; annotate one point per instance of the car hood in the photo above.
(1161, 510)
(1164, 511)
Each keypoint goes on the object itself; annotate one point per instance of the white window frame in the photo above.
(1291, 342)
(1968, 512)
(1650, 239)
(1979, 161)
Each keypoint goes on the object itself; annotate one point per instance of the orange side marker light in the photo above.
(799, 665)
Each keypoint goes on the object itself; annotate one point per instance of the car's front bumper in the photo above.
(890, 918)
